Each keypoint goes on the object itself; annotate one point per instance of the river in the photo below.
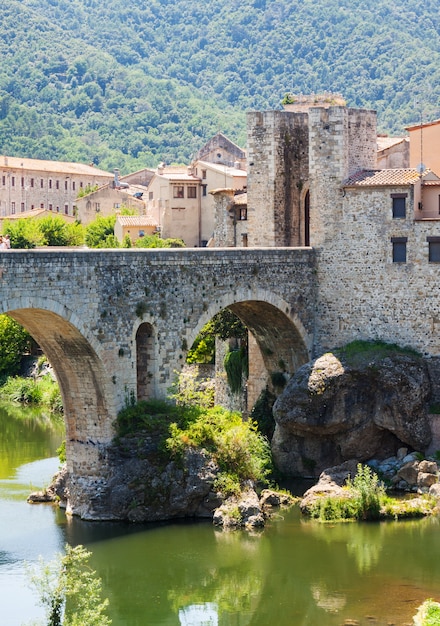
(294, 573)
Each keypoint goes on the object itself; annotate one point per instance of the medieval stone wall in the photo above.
(277, 173)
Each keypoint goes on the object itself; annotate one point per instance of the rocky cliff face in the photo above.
(335, 409)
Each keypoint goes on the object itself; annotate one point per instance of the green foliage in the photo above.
(262, 413)
(70, 590)
(43, 391)
(84, 191)
(241, 452)
(100, 231)
(126, 242)
(24, 233)
(154, 241)
(57, 232)
(148, 416)
(236, 367)
(14, 342)
(367, 491)
(224, 325)
(190, 390)
(61, 451)
(428, 614)
(48, 231)
(333, 509)
(360, 351)
(157, 83)
(23, 390)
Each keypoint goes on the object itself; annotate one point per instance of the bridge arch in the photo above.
(85, 390)
(278, 331)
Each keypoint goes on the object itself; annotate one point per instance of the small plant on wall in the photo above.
(236, 367)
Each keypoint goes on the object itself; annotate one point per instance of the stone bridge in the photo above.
(117, 324)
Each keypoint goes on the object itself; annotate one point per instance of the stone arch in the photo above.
(279, 334)
(144, 360)
(85, 389)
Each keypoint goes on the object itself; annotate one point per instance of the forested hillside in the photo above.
(128, 83)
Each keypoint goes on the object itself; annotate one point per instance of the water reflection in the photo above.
(294, 573)
(199, 615)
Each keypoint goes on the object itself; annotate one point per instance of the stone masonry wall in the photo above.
(84, 308)
(277, 172)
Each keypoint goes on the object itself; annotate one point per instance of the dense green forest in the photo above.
(129, 83)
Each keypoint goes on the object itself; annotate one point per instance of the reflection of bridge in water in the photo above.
(115, 323)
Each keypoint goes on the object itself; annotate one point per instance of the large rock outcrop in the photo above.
(333, 410)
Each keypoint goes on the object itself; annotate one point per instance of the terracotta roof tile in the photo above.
(383, 178)
(55, 167)
(136, 220)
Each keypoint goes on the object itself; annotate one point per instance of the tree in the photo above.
(71, 591)
(24, 233)
(14, 342)
(57, 232)
(98, 231)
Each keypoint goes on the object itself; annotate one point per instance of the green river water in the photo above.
(294, 573)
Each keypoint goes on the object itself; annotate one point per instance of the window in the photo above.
(42, 205)
(41, 183)
(399, 249)
(4, 181)
(50, 207)
(66, 209)
(22, 181)
(204, 190)
(50, 183)
(73, 185)
(13, 208)
(203, 173)
(65, 185)
(399, 205)
(13, 181)
(434, 249)
(22, 207)
(32, 182)
(243, 213)
(192, 191)
(57, 184)
(178, 191)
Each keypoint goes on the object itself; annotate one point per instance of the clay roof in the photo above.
(384, 143)
(136, 220)
(383, 178)
(240, 199)
(55, 167)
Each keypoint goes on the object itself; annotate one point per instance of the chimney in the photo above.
(116, 179)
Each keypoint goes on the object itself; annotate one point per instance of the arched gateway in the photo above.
(117, 324)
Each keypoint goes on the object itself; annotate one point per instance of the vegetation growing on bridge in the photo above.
(241, 452)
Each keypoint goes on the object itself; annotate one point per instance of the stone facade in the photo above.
(28, 184)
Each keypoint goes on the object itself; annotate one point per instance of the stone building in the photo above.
(313, 180)
(29, 184)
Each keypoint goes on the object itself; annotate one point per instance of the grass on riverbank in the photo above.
(43, 391)
(365, 498)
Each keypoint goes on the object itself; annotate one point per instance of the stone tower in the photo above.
(297, 161)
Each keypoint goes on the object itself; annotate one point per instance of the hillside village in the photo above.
(205, 203)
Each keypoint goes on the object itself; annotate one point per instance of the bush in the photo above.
(240, 451)
(367, 492)
(24, 390)
(236, 366)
